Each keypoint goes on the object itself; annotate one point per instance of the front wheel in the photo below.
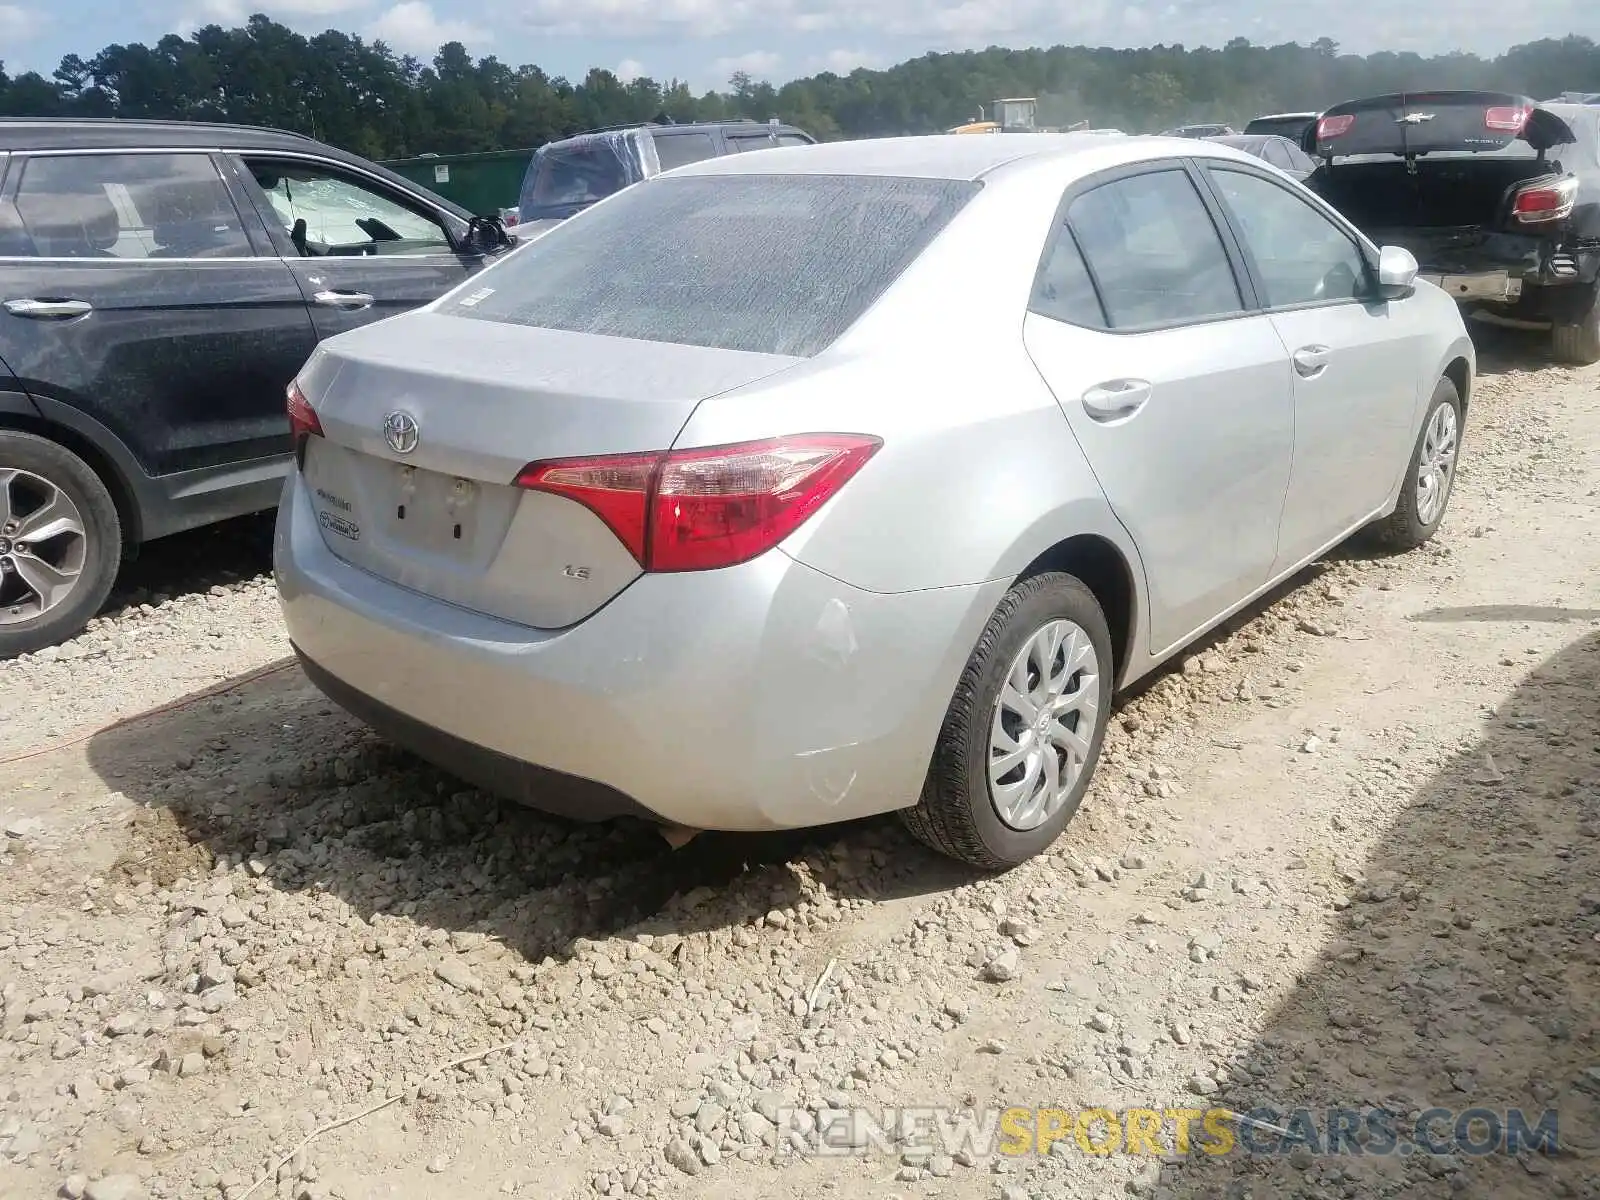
(1023, 732)
(1430, 477)
(60, 543)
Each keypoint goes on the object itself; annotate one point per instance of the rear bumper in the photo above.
(762, 696)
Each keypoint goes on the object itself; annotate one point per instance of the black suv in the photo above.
(566, 177)
(160, 285)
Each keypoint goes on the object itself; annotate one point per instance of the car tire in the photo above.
(1416, 517)
(35, 471)
(960, 811)
(1579, 343)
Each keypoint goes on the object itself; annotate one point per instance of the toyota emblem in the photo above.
(401, 432)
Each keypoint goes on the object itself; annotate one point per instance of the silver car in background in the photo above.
(796, 486)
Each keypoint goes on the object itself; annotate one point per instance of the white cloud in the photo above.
(629, 69)
(18, 23)
(842, 62)
(412, 28)
(1486, 26)
(758, 64)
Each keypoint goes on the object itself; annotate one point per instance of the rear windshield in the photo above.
(574, 174)
(1289, 127)
(773, 264)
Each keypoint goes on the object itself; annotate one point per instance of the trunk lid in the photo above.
(1407, 123)
(427, 501)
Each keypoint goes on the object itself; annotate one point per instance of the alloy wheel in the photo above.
(43, 546)
(1436, 464)
(1043, 725)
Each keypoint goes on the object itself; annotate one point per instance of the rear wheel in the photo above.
(1430, 477)
(60, 543)
(1023, 732)
(1579, 343)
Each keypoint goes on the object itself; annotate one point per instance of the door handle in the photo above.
(48, 310)
(1311, 361)
(349, 300)
(1116, 398)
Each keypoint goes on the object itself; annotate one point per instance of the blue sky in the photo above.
(704, 41)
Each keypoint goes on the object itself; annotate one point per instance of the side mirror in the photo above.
(486, 235)
(1397, 273)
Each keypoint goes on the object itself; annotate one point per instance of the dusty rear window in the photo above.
(773, 264)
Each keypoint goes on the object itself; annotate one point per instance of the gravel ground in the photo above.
(1342, 854)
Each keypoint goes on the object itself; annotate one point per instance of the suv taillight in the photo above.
(1545, 203)
(303, 420)
(696, 510)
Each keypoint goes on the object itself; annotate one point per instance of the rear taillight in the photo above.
(1507, 118)
(1332, 127)
(695, 510)
(1545, 203)
(302, 417)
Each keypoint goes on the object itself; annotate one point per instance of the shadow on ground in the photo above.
(273, 771)
(196, 561)
(1467, 977)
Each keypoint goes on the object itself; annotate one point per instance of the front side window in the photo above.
(127, 206)
(327, 212)
(773, 264)
(1300, 255)
(1154, 251)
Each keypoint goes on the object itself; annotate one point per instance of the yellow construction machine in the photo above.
(1019, 114)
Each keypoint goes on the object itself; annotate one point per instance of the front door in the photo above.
(132, 292)
(1178, 395)
(361, 248)
(1355, 359)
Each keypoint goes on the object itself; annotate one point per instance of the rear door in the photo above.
(1178, 394)
(1356, 359)
(360, 247)
(133, 291)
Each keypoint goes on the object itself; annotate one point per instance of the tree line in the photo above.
(363, 96)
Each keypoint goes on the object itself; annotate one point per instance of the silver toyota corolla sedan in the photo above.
(800, 485)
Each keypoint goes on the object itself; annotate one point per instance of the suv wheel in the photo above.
(60, 543)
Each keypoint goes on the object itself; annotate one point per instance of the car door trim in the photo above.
(1243, 280)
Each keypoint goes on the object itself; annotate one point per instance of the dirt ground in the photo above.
(1340, 856)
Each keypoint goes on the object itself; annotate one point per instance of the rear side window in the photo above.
(676, 149)
(793, 139)
(1063, 289)
(1154, 251)
(772, 264)
(129, 206)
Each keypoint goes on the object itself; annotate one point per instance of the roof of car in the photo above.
(47, 133)
(929, 156)
(18, 134)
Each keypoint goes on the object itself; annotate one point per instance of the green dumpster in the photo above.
(482, 183)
